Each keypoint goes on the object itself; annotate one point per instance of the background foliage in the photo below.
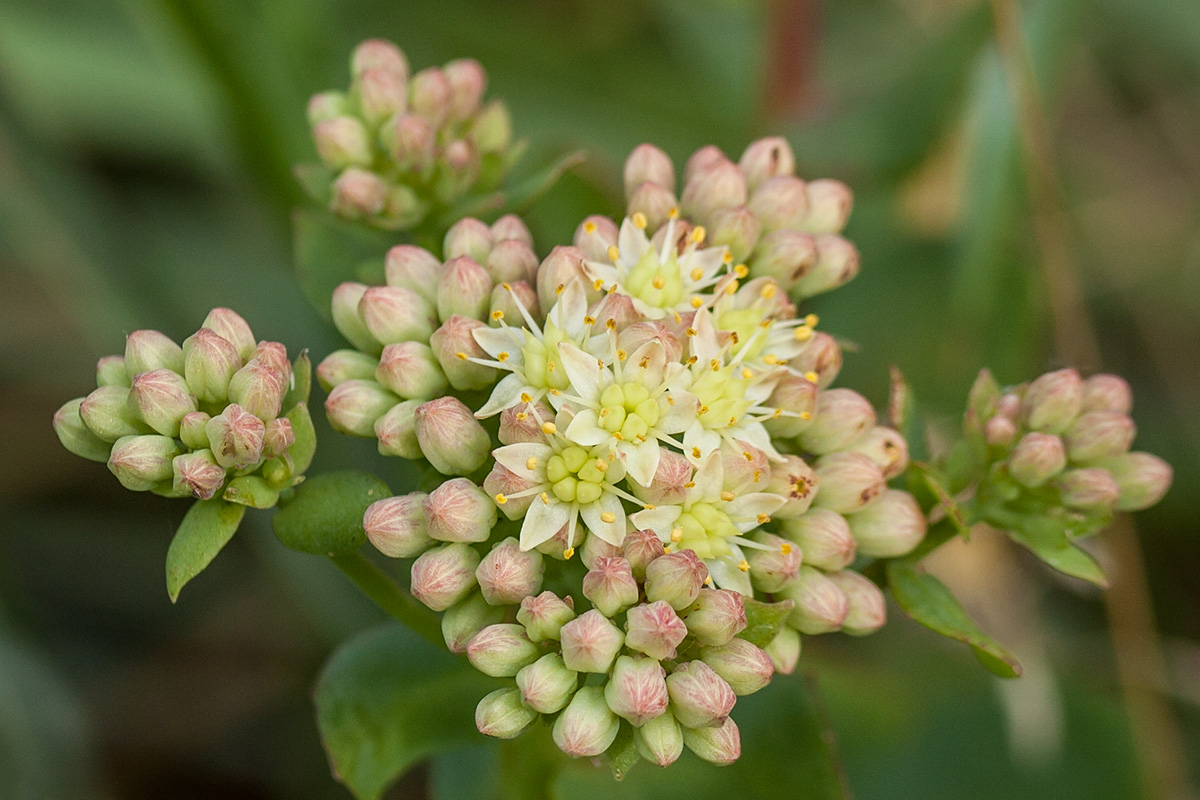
(145, 151)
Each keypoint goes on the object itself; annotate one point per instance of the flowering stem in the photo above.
(388, 596)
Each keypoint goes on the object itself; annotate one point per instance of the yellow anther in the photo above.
(589, 320)
(677, 535)
(708, 580)
(697, 301)
(747, 374)
(715, 365)
(601, 465)
(703, 410)
(497, 314)
(770, 358)
(763, 519)
(731, 287)
(650, 506)
(728, 257)
(746, 454)
(545, 499)
(613, 252)
(678, 319)
(673, 213)
(696, 274)
(777, 413)
(811, 376)
(598, 284)
(570, 551)
(501, 499)
(744, 565)
(531, 462)
(658, 282)
(560, 288)
(741, 270)
(611, 324)
(805, 415)
(670, 400)
(526, 397)
(617, 435)
(811, 320)
(461, 356)
(502, 355)
(507, 287)
(768, 291)
(521, 415)
(608, 517)
(555, 392)
(639, 220)
(695, 452)
(589, 226)
(757, 474)
(727, 496)
(604, 412)
(733, 337)
(690, 484)
(692, 359)
(549, 366)
(690, 331)
(785, 548)
(803, 333)
(698, 234)
(549, 427)
(621, 356)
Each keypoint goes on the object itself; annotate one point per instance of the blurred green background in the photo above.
(145, 149)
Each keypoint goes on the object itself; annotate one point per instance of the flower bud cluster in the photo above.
(398, 144)
(219, 416)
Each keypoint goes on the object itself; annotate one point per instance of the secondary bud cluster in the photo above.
(397, 144)
(219, 416)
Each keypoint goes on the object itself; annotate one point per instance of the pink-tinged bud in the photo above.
(396, 431)
(110, 371)
(235, 437)
(822, 355)
(453, 345)
(394, 314)
(648, 163)
(501, 484)
(468, 238)
(610, 585)
(654, 629)
(512, 260)
(510, 226)
(820, 605)
(722, 185)
(463, 620)
(639, 549)
(231, 327)
(413, 268)
(467, 84)
(785, 255)
(501, 650)
(849, 482)
(767, 158)
(141, 462)
(655, 202)
(717, 745)
(429, 95)
(460, 164)
(837, 264)
(676, 578)
(587, 727)
(443, 576)
(780, 203)
(594, 236)
(348, 320)
(829, 205)
(519, 424)
(1000, 431)
(327, 105)
(342, 142)
(1089, 490)
(842, 416)
(614, 311)
(209, 362)
(354, 406)
(161, 398)
(278, 436)
(381, 94)
(547, 685)
(379, 54)
(450, 436)
(884, 446)
(557, 270)
(745, 667)
(795, 481)
(667, 488)
(502, 715)
(1052, 402)
(639, 333)
(1037, 458)
(891, 526)
(193, 430)
(867, 608)
(507, 574)
(108, 413)
(411, 141)
(745, 468)
(1009, 405)
(1143, 478)
(590, 642)
(410, 370)
(716, 617)
(492, 129)
(465, 288)
(1096, 435)
(784, 650)
(508, 299)
(459, 511)
(594, 548)
(358, 193)
(345, 365)
(396, 525)
(699, 696)
(796, 397)
(771, 569)
(659, 740)
(824, 538)
(637, 690)
(544, 616)
(703, 160)
(258, 388)
(147, 350)
(197, 474)
(76, 436)
(1107, 393)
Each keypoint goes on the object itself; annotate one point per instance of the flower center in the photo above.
(628, 411)
(706, 529)
(722, 396)
(654, 283)
(576, 476)
(744, 322)
(542, 365)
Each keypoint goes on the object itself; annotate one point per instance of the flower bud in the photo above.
(413, 268)
(235, 437)
(610, 585)
(590, 642)
(501, 650)
(501, 484)
(784, 650)
(594, 236)
(648, 163)
(544, 616)
(429, 95)
(465, 288)
(884, 446)
(342, 142)
(230, 326)
(676, 578)
(1000, 431)
(1107, 393)
(1143, 478)
(259, 389)
(770, 569)
(443, 576)
(1037, 458)
(161, 398)
(717, 745)
(654, 629)
(512, 260)
(379, 54)
(1052, 402)
(344, 365)
(637, 690)
(796, 397)
(140, 462)
(781, 203)
(716, 617)
(820, 605)
(278, 436)
(586, 727)
(193, 430)
(837, 264)
(699, 696)
(655, 202)
(396, 431)
(410, 370)
(824, 538)
(745, 667)
(510, 226)
(594, 548)
(891, 526)
(110, 371)
(667, 488)
(209, 362)
(348, 321)
(327, 105)
(453, 345)
(557, 270)
(76, 436)
(147, 350)
(508, 298)
(640, 548)
(492, 129)
(381, 94)
(659, 740)
(463, 620)
(849, 482)
(450, 436)
(502, 715)
(394, 314)
(519, 424)
(829, 204)
(767, 158)
(1089, 490)
(411, 141)
(637, 334)
(354, 406)
(784, 255)
(468, 238)
(507, 574)
(722, 185)
(867, 609)
(197, 474)
(108, 414)
(1096, 435)
(795, 481)
(396, 525)
(547, 685)
(744, 467)
(703, 160)
(459, 511)
(821, 355)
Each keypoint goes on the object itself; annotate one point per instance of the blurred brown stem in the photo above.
(793, 33)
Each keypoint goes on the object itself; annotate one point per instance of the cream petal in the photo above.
(709, 260)
(543, 521)
(593, 516)
(726, 575)
(495, 341)
(754, 433)
(675, 417)
(602, 272)
(699, 438)
(516, 458)
(583, 371)
(571, 308)
(506, 394)
(744, 510)
(660, 519)
(709, 476)
(585, 429)
(705, 346)
(641, 460)
(632, 242)
(655, 359)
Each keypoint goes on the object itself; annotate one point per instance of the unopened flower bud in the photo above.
(459, 511)
(193, 430)
(703, 160)
(610, 585)
(1096, 435)
(450, 436)
(594, 236)
(508, 299)
(443, 576)
(1000, 431)
(453, 345)
(396, 431)
(884, 446)
(784, 650)
(614, 311)
(394, 314)
(796, 397)
(676, 578)
(259, 388)
(501, 650)
(146, 350)
(654, 201)
(410, 370)
(76, 436)
(235, 437)
(110, 371)
(354, 406)
(648, 163)
(520, 424)
(829, 205)
(358, 193)
(197, 474)
(278, 436)
(511, 260)
(411, 141)
(771, 568)
(209, 362)
(429, 95)
(501, 484)
(590, 642)
(720, 745)
(379, 54)
(492, 130)
(1090, 489)
(161, 398)
(467, 84)
(784, 255)
(344, 365)
(820, 605)
(556, 272)
(837, 264)
(470, 238)
(507, 574)
(780, 203)
(413, 268)
(795, 481)
(639, 333)
(849, 482)
(463, 620)
(745, 667)
(502, 715)
(1144, 479)
(767, 158)
(396, 525)
(141, 462)
(586, 727)
(659, 740)
(722, 185)
(699, 696)
(716, 617)
(544, 616)
(1037, 458)
(342, 142)
(547, 685)
(348, 321)
(667, 488)
(465, 288)
(867, 609)
(891, 526)
(1107, 393)
(640, 548)
(637, 690)
(1052, 402)
(510, 226)
(381, 94)
(824, 538)
(230, 326)
(109, 415)
(327, 105)
(744, 466)
(822, 355)
(654, 629)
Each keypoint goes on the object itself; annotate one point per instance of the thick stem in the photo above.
(388, 596)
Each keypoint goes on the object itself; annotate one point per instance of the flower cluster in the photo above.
(220, 416)
(397, 146)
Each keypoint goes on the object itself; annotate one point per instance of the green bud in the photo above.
(235, 437)
(829, 205)
(231, 327)
(544, 615)
(209, 361)
(610, 585)
(161, 399)
(492, 130)
(358, 193)
(396, 431)
(547, 685)
(590, 642)
(147, 350)
(342, 142)
(107, 413)
(745, 667)
(429, 95)
(470, 238)
(848, 482)
(76, 436)
(345, 365)
(1143, 478)
(653, 200)
(820, 607)
(637, 689)
(410, 370)
(396, 525)
(648, 163)
(466, 618)
(379, 54)
(502, 715)
(327, 105)
(354, 406)
(842, 416)
(394, 314)
(890, 527)
(699, 696)
(794, 480)
(676, 578)
(348, 320)
(193, 430)
(587, 727)
(771, 569)
(450, 436)
(414, 268)
(721, 745)
(1090, 490)
(781, 203)
(1097, 435)
(736, 228)
(659, 740)
(837, 264)
(382, 94)
(454, 345)
(1037, 458)
(1052, 402)
(784, 255)
(142, 462)
(784, 650)
(1107, 393)
(507, 574)
(110, 371)
(501, 650)
(197, 474)
(716, 617)
(767, 158)
(721, 185)
(867, 610)
(886, 447)
(465, 288)
(443, 576)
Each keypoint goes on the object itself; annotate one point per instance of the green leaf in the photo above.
(205, 529)
(252, 491)
(622, 754)
(1049, 540)
(927, 600)
(763, 620)
(328, 252)
(302, 450)
(316, 180)
(325, 515)
(387, 699)
(934, 482)
(301, 381)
